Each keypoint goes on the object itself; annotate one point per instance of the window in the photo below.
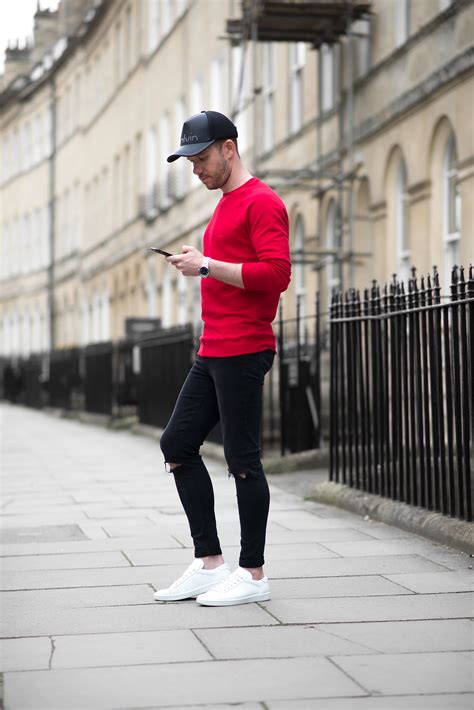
(138, 171)
(127, 185)
(241, 72)
(150, 288)
(451, 211)
(26, 244)
(166, 296)
(362, 46)
(16, 152)
(300, 290)
(5, 250)
(182, 296)
(179, 166)
(401, 21)
(166, 182)
(197, 101)
(402, 224)
(165, 19)
(37, 139)
(6, 159)
(77, 100)
(180, 7)
(153, 19)
(334, 244)
(297, 61)
(85, 321)
(217, 85)
(268, 89)
(118, 54)
(327, 77)
(151, 187)
(128, 40)
(47, 135)
(27, 148)
(104, 316)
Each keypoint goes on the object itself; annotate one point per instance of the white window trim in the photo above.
(402, 209)
(401, 21)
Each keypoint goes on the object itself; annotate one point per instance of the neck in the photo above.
(239, 176)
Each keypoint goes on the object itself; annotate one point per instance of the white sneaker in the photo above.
(192, 582)
(238, 588)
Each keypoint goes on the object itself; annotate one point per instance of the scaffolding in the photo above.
(319, 23)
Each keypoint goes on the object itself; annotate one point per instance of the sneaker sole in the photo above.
(187, 595)
(263, 597)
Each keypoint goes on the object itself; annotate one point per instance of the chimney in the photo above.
(17, 61)
(46, 32)
(71, 14)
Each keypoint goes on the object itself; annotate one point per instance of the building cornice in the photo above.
(438, 21)
(22, 87)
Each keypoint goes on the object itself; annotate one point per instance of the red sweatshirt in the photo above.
(250, 227)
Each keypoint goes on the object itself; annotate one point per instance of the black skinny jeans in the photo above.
(228, 389)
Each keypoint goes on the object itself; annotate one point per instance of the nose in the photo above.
(196, 170)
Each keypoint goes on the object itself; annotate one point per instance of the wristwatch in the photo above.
(204, 270)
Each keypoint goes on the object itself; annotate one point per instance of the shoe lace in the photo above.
(228, 583)
(186, 574)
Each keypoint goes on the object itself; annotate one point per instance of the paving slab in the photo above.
(427, 701)
(152, 616)
(453, 581)
(161, 685)
(408, 636)
(388, 608)
(399, 673)
(127, 649)
(25, 654)
(364, 548)
(342, 566)
(93, 545)
(56, 579)
(45, 534)
(80, 560)
(315, 587)
(276, 642)
(75, 598)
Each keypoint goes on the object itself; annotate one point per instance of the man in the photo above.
(244, 267)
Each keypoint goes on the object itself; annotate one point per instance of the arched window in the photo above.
(451, 210)
(333, 244)
(402, 226)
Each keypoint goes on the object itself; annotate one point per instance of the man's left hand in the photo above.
(189, 262)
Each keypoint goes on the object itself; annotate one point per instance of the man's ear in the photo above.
(230, 147)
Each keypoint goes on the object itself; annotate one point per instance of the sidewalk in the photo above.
(362, 616)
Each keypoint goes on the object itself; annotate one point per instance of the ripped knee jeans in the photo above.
(228, 390)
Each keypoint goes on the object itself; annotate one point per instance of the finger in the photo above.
(187, 248)
(173, 259)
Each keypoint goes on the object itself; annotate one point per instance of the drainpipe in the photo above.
(52, 218)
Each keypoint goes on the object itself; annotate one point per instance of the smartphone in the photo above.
(160, 251)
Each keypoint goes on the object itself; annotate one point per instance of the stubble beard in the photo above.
(220, 176)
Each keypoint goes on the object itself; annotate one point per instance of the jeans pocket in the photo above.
(266, 360)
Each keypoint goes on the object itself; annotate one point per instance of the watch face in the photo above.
(204, 271)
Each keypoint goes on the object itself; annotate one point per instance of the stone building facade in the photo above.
(369, 141)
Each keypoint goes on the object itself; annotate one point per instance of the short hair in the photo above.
(220, 142)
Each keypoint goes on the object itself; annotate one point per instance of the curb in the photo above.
(435, 526)
(302, 461)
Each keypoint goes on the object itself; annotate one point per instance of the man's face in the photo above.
(212, 166)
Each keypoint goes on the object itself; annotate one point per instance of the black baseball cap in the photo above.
(202, 130)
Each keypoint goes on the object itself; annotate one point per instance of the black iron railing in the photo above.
(401, 392)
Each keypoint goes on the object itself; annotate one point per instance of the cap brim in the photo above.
(186, 151)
